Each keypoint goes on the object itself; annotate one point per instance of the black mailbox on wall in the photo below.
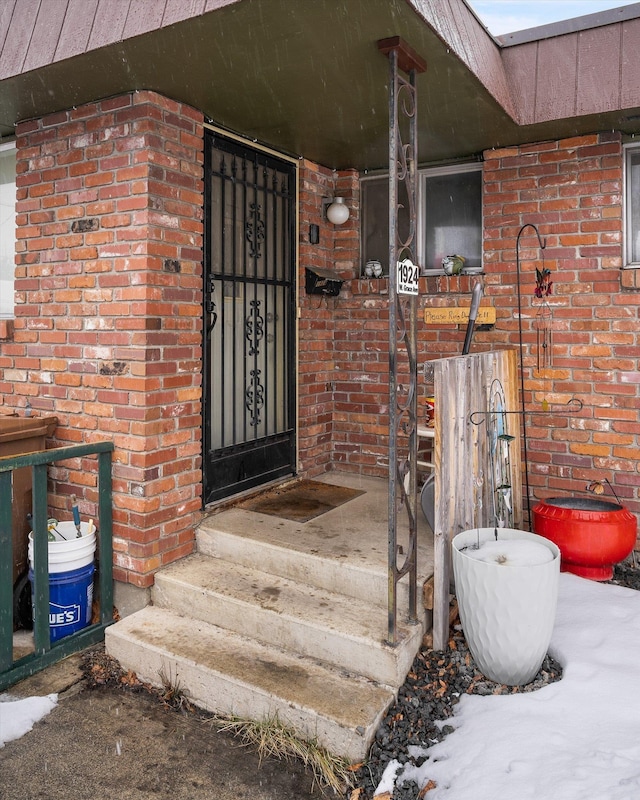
(322, 281)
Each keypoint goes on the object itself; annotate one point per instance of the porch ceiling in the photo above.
(305, 78)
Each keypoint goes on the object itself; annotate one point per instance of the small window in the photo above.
(7, 227)
(375, 220)
(632, 207)
(449, 217)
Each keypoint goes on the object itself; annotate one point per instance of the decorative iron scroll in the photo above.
(254, 328)
(254, 332)
(255, 397)
(403, 441)
(254, 230)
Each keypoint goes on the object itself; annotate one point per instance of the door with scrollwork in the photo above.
(249, 320)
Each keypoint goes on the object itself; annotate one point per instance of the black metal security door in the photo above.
(249, 354)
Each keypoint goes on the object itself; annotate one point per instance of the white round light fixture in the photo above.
(338, 212)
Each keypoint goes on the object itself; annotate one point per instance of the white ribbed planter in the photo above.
(507, 610)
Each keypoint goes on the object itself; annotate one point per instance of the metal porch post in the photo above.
(403, 156)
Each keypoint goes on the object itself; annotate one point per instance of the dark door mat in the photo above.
(300, 501)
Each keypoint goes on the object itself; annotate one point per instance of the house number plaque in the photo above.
(407, 277)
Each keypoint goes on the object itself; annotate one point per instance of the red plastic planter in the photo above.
(592, 535)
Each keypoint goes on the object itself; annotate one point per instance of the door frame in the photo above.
(294, 162)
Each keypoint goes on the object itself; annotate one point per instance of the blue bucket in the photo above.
(70, 599)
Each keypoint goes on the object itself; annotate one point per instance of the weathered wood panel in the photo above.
(178, 10)
(143, 16)
(521, 67)
(33, 34)
(6, 12)
(463, 33)
(108, 25)
(579, 72)
(463, 386)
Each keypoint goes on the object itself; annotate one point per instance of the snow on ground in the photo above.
(18, 716)
(575, 739)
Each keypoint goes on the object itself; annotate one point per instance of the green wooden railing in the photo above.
(46, 653)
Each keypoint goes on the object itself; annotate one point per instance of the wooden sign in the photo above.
(457, 316)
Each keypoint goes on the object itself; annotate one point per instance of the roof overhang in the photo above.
(307, 79)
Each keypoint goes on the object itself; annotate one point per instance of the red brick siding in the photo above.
(108, 315)
(109, 301)
(572, 190)
(361, 421)
(318, 340)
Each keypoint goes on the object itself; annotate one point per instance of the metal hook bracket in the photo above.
(478, 417)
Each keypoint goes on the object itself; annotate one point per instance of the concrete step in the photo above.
(228, 674)
(296, 552)
(313, 622)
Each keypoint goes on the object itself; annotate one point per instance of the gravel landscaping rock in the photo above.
(627, 573)
(428, 697)
(426, 700)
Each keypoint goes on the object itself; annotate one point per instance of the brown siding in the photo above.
(522, 72)
(108, 24)
(144, 16)
(34, 34)
(586, 72)
(6, 12)
(18, 37)
(630, 64)
(76, 30)
(461, 31)
(556, 77)
(46, 32)
(598, 69)
(178, 10)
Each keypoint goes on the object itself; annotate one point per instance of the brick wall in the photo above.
(572, 190)
(107, 334)
(361, 421)
(108, 316)
(318, 326)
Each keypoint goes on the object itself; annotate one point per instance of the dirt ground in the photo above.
(109, 741)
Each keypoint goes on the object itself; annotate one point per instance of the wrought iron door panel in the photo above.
(249, 318)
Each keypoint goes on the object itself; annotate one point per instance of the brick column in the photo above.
(109, 305)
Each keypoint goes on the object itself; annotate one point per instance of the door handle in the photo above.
(210, 306)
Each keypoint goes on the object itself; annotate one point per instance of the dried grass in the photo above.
(273, 739)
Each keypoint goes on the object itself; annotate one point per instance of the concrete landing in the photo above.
(349, 541)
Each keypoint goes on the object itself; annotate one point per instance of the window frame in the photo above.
(5, 147)
(627, 216)
(430, 172)
(423, 174)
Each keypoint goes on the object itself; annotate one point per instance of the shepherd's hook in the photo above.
(542, 242)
